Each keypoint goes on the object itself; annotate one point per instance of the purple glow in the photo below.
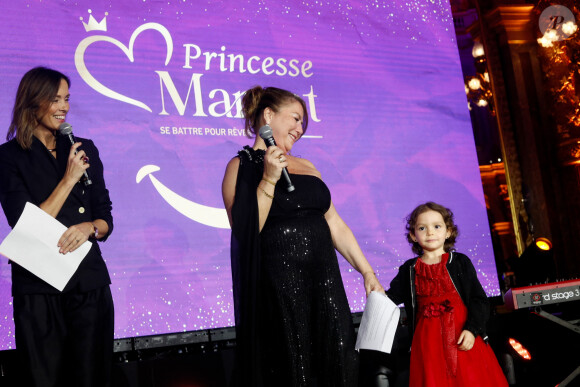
(389, 129)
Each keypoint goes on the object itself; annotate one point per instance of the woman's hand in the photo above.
(274, 161)
(466, 340)
(77, 163)
(75, 236)
(372, 284)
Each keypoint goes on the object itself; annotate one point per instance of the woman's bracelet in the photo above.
(266, 193)
(269, 181)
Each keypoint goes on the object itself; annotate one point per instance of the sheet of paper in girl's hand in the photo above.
(378, 324)
(33, 245)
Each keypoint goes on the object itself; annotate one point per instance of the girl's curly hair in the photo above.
(447, 215)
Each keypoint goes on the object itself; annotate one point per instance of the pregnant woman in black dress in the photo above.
(293, 321)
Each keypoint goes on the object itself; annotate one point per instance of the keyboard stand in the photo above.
(572, 325)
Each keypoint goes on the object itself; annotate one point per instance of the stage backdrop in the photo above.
(157, 85)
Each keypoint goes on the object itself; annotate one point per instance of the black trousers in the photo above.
(65, 339)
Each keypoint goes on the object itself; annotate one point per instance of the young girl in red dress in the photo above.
(446, 306)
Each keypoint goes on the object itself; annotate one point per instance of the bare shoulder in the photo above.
(229, 185)
(302, 166)
(305, 162)
(234, 163)
(232, 170)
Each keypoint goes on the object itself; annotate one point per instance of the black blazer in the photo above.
(31, 176)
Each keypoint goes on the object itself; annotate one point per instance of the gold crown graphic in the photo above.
(93, 25)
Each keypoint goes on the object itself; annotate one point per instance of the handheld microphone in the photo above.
(66, 130)
(266, 134)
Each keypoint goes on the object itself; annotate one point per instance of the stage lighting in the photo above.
(543, 244)
(536, 264)
(520, 350)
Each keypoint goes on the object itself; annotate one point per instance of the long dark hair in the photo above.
(257, 99)
(36, 90)
(447, 215)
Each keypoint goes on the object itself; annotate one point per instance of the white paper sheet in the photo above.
(33, 245)
(378, 324)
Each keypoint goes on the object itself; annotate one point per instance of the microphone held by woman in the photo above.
(65, 129)
(266, 134)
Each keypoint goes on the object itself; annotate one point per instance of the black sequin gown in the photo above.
(310, 316)
(308, 336)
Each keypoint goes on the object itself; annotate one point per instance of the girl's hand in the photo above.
(77, 163)
(274, 161)
(466, 340)
(372, 284)
(74, 236)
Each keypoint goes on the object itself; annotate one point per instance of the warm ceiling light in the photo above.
(569, 28)
(474, 84)
(477, 50)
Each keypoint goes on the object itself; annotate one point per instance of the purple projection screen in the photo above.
(156, 85)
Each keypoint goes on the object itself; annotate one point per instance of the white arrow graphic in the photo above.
(210, 216)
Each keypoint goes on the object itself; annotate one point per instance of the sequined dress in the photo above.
(310, 312)
(306, 331)
(435, 358)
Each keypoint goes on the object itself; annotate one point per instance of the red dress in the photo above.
(436, 360)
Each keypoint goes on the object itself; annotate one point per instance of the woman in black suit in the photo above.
(64, 338)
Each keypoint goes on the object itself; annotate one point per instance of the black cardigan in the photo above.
(464, 278)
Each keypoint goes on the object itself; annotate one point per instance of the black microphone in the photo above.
(266, 134)
(66, 130)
